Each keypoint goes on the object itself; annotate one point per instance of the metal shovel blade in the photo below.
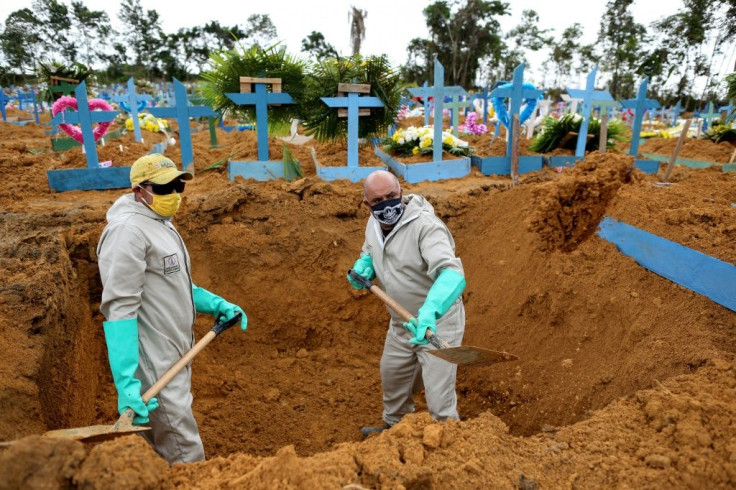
(472, 356)
(95, 433)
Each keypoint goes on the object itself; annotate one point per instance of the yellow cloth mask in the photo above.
(166, 206)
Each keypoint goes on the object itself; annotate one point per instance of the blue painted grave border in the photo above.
(689, 268)
(421, 172)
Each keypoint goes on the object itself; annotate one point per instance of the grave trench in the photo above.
(306, 371)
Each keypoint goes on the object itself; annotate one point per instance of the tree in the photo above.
(620, 39)
(142, 33)
(259, 30)
(315, 45)
(567, 51)
(357, 28)
(89, 26)
(54, 29)
(463, 34)
(20, 40)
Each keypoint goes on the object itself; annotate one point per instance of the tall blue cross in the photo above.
(85, 118)
(639, 105)
(425, 93)
(4, 99)
(353, 102)
(94, 176)
(132, 99)
(676, 111)
(182, 111)
(29, 97)
(709, 116)
(588, 95)
(261, 99)
(456, 105)
(516, 93)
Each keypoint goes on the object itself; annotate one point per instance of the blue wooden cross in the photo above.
(588, 95)
(676, 111)
(132, 99)
(516, 94)
(29, 97)
(639, 105)
(263, 169)
(182, 111)
(436, 169)
(4, 99)
(353, 102)
(425, 93)
(456, 105)
(92, 177)
(709, 116)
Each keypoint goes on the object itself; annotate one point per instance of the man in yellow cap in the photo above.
(150, 303)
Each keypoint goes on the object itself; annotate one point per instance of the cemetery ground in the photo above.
(624, 379)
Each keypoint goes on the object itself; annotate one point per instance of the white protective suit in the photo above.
(145, 271)
(406, 263)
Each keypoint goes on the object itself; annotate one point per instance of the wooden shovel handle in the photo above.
(128, 414)
(403, 312)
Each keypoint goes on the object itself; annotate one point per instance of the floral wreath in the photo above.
(503, 114)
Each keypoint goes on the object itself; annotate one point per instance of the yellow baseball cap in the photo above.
(156, 169)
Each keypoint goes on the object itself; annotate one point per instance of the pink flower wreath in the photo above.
(75, 132)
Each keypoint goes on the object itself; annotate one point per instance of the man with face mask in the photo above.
(150, 303)
(412, 253)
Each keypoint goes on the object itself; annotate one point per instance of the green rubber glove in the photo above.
(212, 304)
(444, 292)
(122, 349)
(364, 267)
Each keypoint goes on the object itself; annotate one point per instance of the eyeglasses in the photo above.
(165, 189)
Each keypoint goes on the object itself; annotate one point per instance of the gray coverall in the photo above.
(145, 271)
(407, 262)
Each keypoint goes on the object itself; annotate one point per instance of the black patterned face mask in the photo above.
(388, 212)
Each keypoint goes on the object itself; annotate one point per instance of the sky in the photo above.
(390, 24)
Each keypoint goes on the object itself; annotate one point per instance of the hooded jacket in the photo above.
(145, 271)
(409, 259)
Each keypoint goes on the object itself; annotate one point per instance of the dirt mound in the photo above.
(694, 149)
(570, 209)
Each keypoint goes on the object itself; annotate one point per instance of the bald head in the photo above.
(381, 186)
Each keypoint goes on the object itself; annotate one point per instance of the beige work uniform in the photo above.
(407, 262)
(145, 271)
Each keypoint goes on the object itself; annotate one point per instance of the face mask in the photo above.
(388, 212)
(167, 205)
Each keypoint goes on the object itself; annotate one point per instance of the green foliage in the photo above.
(462, 36)
(272, 62)
(316, 46)
(292, 169)
(555, 130)
(621, 40)
(385, 82)
(720, 133)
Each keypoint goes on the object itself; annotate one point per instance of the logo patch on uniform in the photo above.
(171, 264)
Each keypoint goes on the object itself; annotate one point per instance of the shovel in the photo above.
(124, 425)
(464, 355)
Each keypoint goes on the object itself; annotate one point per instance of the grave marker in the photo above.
(182, 111)
(676, 111)
(709, 116)
(424, 93)
(517, 92)
(349, 97)
(92, 177)
(263, 169)
(437, 169)
(29, 97)
(4, 99)
(132, 99)
(456, 105)
(572, 101)
(587, 96)
(639, 105)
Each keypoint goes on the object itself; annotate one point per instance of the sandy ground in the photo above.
(624, 379)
